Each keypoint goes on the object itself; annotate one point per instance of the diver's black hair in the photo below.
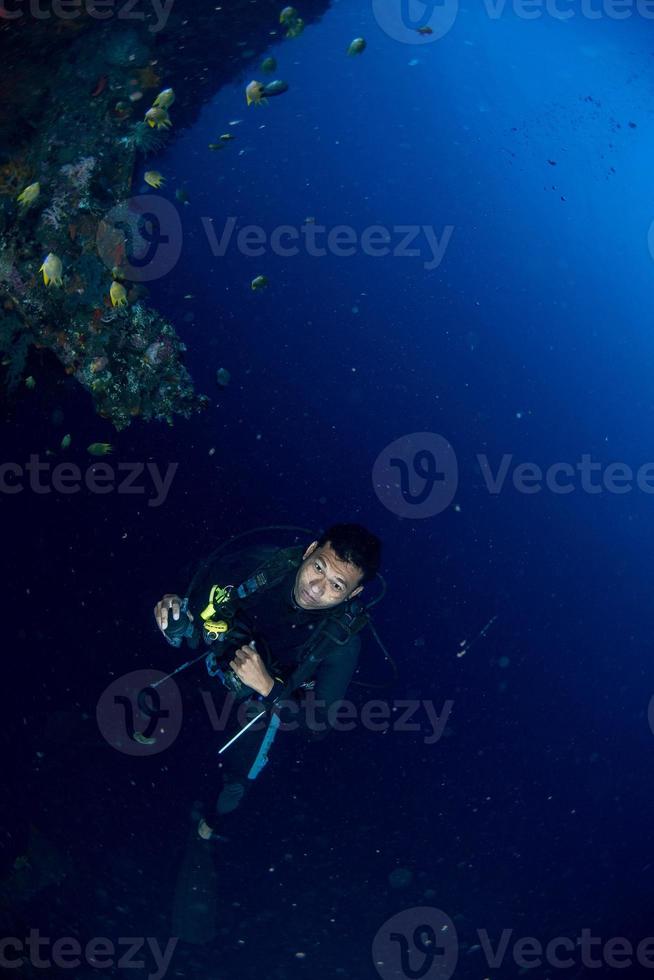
(354, 543)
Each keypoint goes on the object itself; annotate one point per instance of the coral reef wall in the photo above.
(74, 93)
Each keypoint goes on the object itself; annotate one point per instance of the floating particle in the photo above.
(400, 878)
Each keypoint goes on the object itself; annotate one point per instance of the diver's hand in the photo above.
(249, 668)
(169, 602)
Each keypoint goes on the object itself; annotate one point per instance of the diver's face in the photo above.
(324, 580)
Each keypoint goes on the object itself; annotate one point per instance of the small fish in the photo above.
(154, 178)
(268, 65)
(254, 93)
(30, 383)
(357, 46)
(182, 195)
(28, 196)
(165, 99)
(278, 87)
(235, 122)
(424, 30)
(216, 146)
(121, 110)
(310, 220)
(226, 137)
(259, 282)
(158, 118)
(66, 441)
(99, 448)
(223, 377)
(288, 15)
(51, 269)
(118, 294)
(295, 28)
(189, 296)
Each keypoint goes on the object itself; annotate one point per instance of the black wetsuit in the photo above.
(281, 630)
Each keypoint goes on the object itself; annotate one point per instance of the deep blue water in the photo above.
(532, 338)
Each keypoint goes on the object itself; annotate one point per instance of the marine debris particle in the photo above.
(400, 878)
(465, 645)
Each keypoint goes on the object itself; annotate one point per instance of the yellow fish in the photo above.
(295, 28)
(99, 448)
(158, 118)
(29, 195)
(51, 269)
(259, 282)
(254, 93)
(357, 46)
(165, 99)
(118, 294)
(154, 178)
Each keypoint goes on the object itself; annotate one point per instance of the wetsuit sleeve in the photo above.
(335, 673)
(332, 679)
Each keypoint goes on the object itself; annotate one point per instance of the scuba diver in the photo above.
(277, 622)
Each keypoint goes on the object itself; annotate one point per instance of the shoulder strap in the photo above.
(271, 572)
(334, 631)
